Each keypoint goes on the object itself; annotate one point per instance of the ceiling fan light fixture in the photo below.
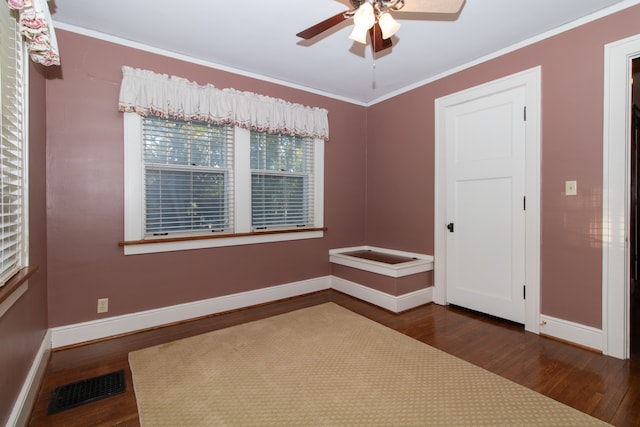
(359, 35)
(388, 25)
(363, 19)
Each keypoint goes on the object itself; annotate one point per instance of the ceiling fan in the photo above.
(374, 17)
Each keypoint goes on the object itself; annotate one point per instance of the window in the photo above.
(187, 180)
(187, 174)
(13, 209)
(281, 181)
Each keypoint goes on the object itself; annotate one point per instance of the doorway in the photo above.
(616, 204)
(634, 223)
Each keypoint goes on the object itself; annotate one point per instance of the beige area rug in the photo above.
(327, 366)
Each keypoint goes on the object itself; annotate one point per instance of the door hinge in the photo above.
(524, 292)
(524, 203)
(525, 113)
(450, 227)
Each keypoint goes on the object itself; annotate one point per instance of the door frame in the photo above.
(615, 195)
(530, 79)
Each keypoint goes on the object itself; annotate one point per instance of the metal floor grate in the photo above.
(85, 391)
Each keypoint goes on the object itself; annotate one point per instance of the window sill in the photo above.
(13, 289)
(221, 240)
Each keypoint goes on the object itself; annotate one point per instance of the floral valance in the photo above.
(147, 93)
(37, 29)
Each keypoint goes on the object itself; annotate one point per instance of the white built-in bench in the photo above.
(393, 279)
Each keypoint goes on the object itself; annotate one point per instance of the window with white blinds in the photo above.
(188, 171)
(13, 244)
(281, 181)
(186, 181)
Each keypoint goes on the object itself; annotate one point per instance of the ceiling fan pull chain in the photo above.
(373, 59)
(373, 76)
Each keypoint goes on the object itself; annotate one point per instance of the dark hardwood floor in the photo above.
(602, 386)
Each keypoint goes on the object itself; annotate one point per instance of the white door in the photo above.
(485, 190)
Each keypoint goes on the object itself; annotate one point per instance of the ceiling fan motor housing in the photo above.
(380, 5)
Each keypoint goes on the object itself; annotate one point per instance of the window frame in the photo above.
(134, 239)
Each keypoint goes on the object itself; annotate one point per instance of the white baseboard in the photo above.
(576, 333)
(96, 329)
(414, 299)
(29, 393)
(392, 303)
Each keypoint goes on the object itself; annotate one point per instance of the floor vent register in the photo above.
(85, 391)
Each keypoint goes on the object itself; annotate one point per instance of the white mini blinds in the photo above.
(13, 212)
(281, 181)
(188, 171)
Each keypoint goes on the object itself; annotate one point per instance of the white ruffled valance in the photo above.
(147, 93)
(37, 29)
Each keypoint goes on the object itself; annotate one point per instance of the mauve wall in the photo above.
(400, 161)
(23, 327)
(86, 203)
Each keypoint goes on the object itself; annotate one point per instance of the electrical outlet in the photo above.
(570, 188)
(103, 305)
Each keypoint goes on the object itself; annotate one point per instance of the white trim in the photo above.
(219, 242)
(133, 178)
(29, 393)
(413, 299)
(26, 157)
(615, 189)
(576, 333)
(392, 303)
(242, 178)
(318, 186)
(96, 329)
(531, 79)
(421, 264)
(13, 297)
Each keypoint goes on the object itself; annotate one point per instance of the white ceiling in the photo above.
(258, 37)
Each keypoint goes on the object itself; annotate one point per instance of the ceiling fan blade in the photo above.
(377, 42)
(432, 6)
(321, 27)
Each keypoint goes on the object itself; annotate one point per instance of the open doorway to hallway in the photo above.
(634, 291)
